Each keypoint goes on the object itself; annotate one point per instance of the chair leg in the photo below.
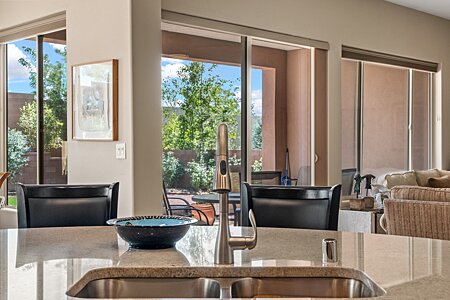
(237, 217)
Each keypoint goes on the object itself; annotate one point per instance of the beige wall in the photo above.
(14, 12)
(375, 25)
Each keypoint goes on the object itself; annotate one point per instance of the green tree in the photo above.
(55, 87)
(17, 148)
(257, 134)
(197, 101)
(52, 126)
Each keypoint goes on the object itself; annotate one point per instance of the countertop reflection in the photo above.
(44, 263)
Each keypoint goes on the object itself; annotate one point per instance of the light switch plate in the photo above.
(120, 151)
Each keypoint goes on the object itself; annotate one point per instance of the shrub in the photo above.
(17, 148)
(257, 165)
(202, 175)
(172, 169)
(234, 161)
(52, 126)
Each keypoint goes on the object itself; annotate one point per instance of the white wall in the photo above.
(375, 25)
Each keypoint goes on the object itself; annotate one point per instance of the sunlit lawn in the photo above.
(12, 200)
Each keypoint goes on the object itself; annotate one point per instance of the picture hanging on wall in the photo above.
(95, 101)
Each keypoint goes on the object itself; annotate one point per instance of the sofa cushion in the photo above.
(443, 173)
(408, 178)
(422, 176)
(439, 182)
(420, 193)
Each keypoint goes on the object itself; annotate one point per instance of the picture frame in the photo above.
(95, 88)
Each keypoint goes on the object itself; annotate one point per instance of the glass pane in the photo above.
(349, 98)
(21, 117)
(349, 94)
(280, 79)
(421, 122)
(55, 108)
(385, 118)
(200, 89)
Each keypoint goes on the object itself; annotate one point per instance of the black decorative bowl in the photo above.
(152, 232)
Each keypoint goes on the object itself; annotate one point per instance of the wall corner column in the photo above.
(146, 103)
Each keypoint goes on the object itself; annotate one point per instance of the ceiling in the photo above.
(440, 8)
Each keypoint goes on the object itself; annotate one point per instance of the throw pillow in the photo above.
(422, 176)
(440, 182)
(408, 178)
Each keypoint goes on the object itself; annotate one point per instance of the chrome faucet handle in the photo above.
(252, 240)
(246, 242)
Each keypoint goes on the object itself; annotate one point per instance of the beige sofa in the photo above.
(417, 211)
(424, 178)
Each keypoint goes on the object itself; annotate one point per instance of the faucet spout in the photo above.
(225, 243)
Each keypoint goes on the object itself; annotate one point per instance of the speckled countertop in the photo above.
(45, 263)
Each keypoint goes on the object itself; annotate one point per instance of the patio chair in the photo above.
(309, 207)
(184, 209)
(303, 177)
(347, 181)
(53, 205)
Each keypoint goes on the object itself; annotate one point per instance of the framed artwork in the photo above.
(94, 101)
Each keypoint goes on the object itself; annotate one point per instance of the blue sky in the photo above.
(170, 66)
(18, 76)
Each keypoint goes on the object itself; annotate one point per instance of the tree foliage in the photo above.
(52, 126)
(55, 87)
(17, 148)
(197, 101)
(257, 134)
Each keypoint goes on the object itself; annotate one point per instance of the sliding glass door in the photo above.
(385, 117)
(263, 89)
(280, 113)
(201, 88)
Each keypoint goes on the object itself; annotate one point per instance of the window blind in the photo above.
(389, 59)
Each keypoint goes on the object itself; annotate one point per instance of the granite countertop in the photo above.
(45, 263)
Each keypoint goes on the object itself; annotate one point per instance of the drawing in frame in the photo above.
(94, 101)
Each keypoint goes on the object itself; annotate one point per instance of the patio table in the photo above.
(233, 199)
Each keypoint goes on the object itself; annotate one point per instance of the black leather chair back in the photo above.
(66, 205)
(306, 207)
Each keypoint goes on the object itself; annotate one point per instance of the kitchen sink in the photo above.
(314, 287)
(150, 288)
(249, 287)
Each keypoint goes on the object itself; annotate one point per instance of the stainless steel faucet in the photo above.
(226, 244)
